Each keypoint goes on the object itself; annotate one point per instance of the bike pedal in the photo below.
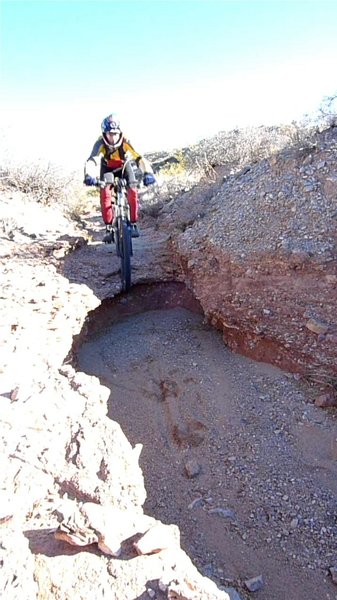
(134, 231)
(109, 237)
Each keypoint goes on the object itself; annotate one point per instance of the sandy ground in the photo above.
(234, 451)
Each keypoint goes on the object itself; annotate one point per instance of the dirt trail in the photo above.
(97, 266)
(233, 452)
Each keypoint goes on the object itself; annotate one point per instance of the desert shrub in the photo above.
(178, 167)
(300, 133)
(328, 111)
(48, 184)
(239, 147)
(79, 199)
(228, 152)
(170, 184)
(232, 150)
(42, 183)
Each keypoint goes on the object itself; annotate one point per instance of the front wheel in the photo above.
(124, 251)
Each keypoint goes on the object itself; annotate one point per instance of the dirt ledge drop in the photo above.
(232, 449)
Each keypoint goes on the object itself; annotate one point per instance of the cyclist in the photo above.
(109, 154)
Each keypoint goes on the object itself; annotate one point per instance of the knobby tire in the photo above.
(125, 252)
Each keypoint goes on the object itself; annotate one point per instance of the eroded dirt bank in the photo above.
(272, 308)
(234, 451)
(260, 254)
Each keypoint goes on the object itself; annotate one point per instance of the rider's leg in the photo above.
(106, 205)
(107, 209)
(106, 200)
(133, 203)
(132, 192)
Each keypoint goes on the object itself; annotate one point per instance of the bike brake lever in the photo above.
(101, 184)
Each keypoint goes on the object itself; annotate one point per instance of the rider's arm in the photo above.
(141, 162)
(92, 165)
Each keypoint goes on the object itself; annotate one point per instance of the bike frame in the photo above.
(122, 209)
(121, 224)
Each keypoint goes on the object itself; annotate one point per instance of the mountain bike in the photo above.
(121, 225)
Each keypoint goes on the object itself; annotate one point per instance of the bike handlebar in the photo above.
(102, 183)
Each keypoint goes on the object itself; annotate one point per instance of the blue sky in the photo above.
(176, 71)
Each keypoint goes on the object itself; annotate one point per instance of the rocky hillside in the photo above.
(259, 252)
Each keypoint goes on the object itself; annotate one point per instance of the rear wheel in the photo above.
(125, 253)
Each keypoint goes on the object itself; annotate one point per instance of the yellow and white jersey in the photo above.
(114, 160)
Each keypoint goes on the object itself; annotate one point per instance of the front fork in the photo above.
(122, 214)
(118, 237)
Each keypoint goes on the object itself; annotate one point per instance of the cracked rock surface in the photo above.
(60, 452)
